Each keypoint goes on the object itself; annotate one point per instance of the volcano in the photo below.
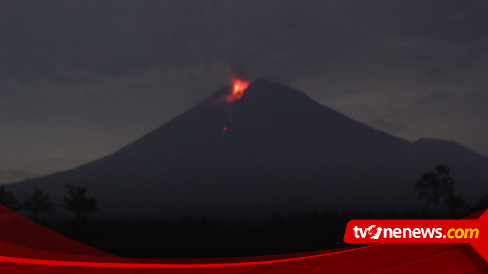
(270, 150)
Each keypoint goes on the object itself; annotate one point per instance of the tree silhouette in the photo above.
(7, 199)
(37, 203)
(437, 186)
(79, 203)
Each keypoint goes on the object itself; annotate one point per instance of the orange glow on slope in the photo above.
(238, 87)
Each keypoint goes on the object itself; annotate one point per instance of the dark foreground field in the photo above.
(206, 237)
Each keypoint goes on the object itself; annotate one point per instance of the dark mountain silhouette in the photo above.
(273, 151)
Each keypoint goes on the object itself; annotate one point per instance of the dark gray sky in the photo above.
(80, 79)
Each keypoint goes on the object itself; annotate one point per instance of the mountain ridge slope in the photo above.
(273, 151)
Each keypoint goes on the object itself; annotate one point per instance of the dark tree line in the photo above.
(38, 203)
(434, 187)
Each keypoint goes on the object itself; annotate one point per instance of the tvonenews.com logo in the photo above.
(464, 231)
(374, 232)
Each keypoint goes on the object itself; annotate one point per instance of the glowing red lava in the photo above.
(238, 87)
